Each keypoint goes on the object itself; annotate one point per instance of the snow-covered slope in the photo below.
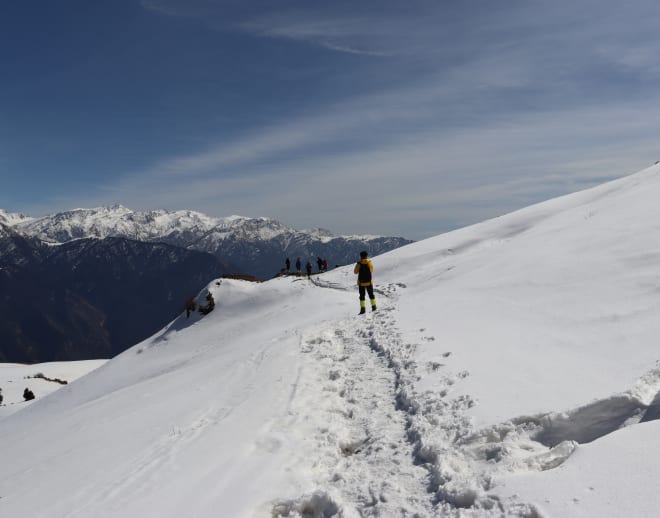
(41, 378)
(511, 369)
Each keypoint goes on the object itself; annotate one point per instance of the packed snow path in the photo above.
(382, 448)
(365, 459)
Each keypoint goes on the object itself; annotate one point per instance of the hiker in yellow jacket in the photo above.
(363, 269)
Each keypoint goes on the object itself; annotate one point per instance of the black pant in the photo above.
(369, 289)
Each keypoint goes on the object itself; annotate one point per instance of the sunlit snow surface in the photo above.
(512, 369)
(41, 378)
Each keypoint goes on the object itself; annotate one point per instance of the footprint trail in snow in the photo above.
(378, 448)
(364, 462)
(374, 446)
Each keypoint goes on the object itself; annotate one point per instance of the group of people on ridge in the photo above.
(321, 264)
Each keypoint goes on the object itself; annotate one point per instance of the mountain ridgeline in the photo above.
(254, 246)
(90, 283)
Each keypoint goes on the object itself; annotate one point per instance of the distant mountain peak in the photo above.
(10, 219)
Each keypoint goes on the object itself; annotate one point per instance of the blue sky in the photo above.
(398, 118)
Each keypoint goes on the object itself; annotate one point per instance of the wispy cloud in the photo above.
(464, 113)
(350, 34)
(380, 28)
(447, 179)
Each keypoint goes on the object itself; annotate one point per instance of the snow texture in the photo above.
(511, 369)
(41, 378)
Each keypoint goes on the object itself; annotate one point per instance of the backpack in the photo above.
(365, 273)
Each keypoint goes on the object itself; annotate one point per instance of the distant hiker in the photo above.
(28, 394)
(1, 398)
(210, 304)
(191, 306)
(288, 265)
(363, 269)
(325, 265)
(319, 263)
(298, 265)
(308, 266)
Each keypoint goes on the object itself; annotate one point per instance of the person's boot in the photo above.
(362, 311)
(373, 308)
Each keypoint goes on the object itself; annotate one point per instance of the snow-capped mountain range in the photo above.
(118, 221)
(183, 227)
(514, 371)
(256, 246)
